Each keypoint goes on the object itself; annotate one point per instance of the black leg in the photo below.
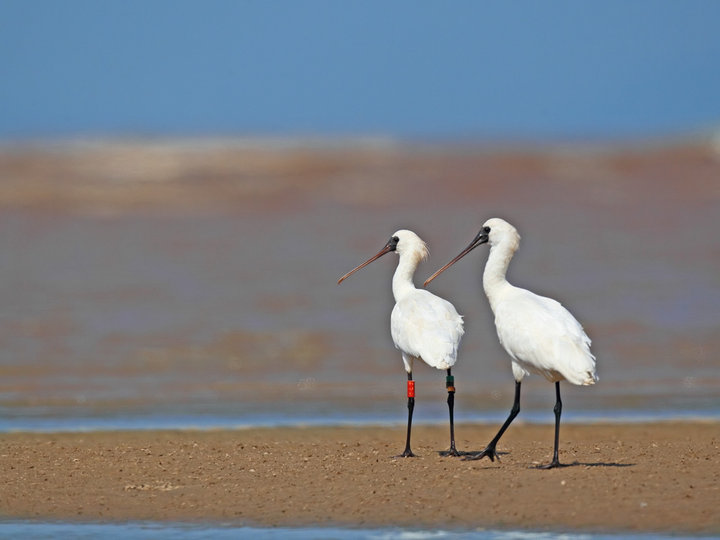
(558, 411)
(411, 406)
(450, 383)
(490, 448)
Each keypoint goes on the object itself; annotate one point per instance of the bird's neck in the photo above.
(494, 281)
(402, 283)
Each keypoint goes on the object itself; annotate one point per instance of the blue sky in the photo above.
(408, 69)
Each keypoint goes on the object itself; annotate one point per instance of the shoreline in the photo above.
(642, 477)
(215, 422)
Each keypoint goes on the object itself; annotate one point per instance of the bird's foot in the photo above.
(554, 464)
(488, 452)
(453, 452)
(406, 453)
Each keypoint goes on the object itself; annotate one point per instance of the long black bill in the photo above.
(390, 246)
(481, 238)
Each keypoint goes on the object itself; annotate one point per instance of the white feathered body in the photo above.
(427, 327)
(543, 337)
(422, 325)
(538, 333)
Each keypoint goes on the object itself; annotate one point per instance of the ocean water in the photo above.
(156, 531)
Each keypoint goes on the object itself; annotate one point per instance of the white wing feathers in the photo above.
(543, 337)
(427, 327)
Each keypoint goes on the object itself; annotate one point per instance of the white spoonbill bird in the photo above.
(422, 325)
(538, 333)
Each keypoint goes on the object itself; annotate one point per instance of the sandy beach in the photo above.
(661, 477)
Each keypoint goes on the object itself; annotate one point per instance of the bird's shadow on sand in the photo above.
(464, 455)
(598, 464)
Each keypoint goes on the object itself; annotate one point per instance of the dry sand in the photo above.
(628, 477)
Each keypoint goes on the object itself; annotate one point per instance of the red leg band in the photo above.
(411, 389)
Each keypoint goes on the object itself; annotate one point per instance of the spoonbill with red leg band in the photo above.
(422, 325)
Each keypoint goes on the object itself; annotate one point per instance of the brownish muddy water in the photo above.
(198, 279)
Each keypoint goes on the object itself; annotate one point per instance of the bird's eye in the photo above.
(486, 229)
(395, 239)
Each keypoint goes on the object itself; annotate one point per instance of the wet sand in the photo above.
(660, 477)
